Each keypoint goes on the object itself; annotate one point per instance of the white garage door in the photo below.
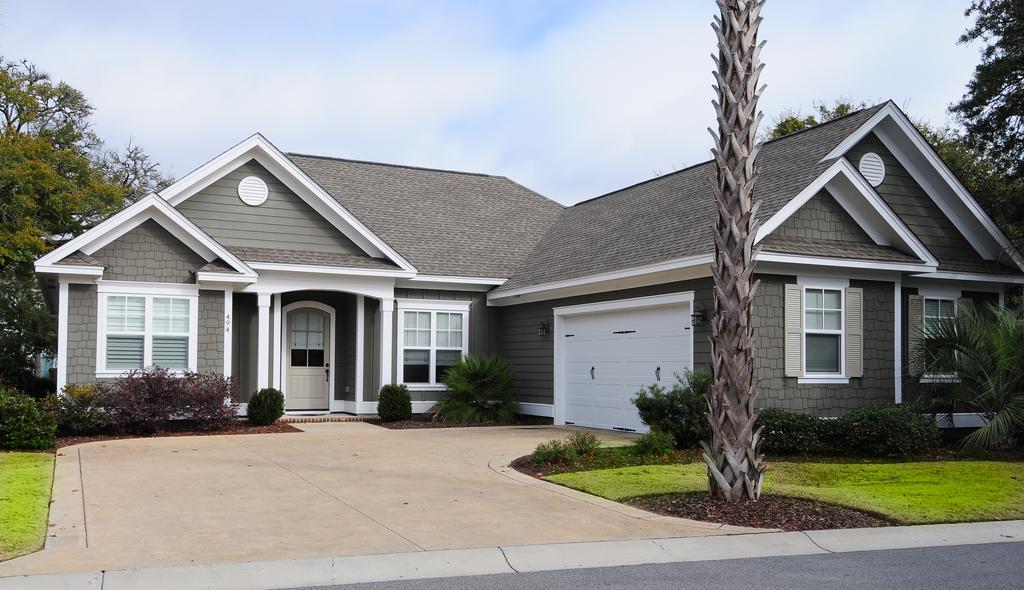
(609, 356)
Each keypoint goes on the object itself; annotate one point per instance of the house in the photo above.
(326, 277)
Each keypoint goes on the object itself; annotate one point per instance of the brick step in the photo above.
(328, 418)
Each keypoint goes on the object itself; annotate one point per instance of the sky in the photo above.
(572, 99)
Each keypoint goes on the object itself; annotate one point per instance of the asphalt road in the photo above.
(967, 566)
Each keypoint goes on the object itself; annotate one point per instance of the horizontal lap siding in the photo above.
(532, 356)
(284, 221)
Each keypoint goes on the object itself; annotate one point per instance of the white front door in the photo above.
(609, 356)
(308, 355)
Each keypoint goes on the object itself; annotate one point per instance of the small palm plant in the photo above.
(479, 390)
(975, 363)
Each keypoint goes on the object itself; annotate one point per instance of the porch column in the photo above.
(387, 307)
(228, 309)
(360, 342)
(62, 335)
(276, 362)
(898, 342)
(263, 342)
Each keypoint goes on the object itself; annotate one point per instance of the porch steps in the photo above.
(329, 418)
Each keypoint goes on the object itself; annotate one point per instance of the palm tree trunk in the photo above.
(734, 468)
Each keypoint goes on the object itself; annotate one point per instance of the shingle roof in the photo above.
(443, 222)
(834, 249)
(79, 258)
(671, 216)
(309, 258)
(991, 267)
(217, 265)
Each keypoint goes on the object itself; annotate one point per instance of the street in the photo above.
(998, 565)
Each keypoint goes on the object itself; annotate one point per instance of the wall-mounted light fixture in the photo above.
(542, 329)
(697, 317)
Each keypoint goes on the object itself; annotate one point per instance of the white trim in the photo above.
(68, 269)
(278, 338)
(149, 207)
(560, 313)
(840, 262)
(898, 342)
(636, 271)
(940, 292)
(968, 276)
(220, 277)
(138, 288)
(361, 408)
(387, 312)
(228, 309)
(824, 284)
(823, 380)
(532, 409)
(263, 341)
(331, 270)
(148, 291)
(280, 351)
(263, 151)
(458, 280)
(360, 345)
(433, 307)
(62, 335)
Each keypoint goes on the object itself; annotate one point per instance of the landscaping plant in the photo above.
(734, 466)
(583, 443)
(266, 406)
(394, 403)
(656, 443)
(681, 411)
(80, 410)
(984, 350)
(554, 451)
(204, 400)
(479, 390)
(24, 424)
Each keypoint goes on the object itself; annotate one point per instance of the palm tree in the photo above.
(975, 363)
(734, 467)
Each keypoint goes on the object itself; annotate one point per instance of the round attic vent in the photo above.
(252, 190)
(873, 168)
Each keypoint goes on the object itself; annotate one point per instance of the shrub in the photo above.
(681, 411)
(582, 443)
(266, 406)
(889, 431)
(24, 425)
(554, 451)
(654, 443)
(394, 403)
(80, 410)
(479, 390)
(205, 400)
(791, 433)
(142, 400)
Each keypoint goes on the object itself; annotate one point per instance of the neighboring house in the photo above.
(326, 277)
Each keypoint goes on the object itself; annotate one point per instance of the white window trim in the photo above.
(948, 294)
(148, 291)
(432, 307)
(816, 283)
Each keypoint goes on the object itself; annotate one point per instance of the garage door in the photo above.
(608, 356)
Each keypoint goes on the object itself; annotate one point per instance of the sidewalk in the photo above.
(268, 575)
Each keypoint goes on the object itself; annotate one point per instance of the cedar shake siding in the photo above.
(822, 218)
(779, 391)
(81, 334)
(210, 349)
(149, 253)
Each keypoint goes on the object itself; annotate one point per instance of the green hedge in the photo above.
(394, 403)
(265, 407)
(24, 424)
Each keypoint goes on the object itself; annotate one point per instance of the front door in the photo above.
(308, 355)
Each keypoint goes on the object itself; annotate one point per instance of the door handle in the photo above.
(327, 371)
(657, 373)
(591, 372)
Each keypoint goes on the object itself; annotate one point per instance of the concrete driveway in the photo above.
(332, 490)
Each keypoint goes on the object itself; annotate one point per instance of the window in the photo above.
(936, 312)
(145, 330)
(432, 339)
(307, 339)
(823, 331)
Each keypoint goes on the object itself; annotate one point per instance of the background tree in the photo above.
(734, 467)
(790, 121)
(992, 109)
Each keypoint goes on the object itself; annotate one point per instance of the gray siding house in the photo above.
(326, 278)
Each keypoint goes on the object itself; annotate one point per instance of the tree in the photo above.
(134, 171)
(992, 109)
(734, 468)
(790, 121)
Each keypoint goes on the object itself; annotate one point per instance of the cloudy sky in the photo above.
(572, 99)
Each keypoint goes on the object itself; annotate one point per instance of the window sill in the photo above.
(940, 379)
(823, 380)
(424, 387)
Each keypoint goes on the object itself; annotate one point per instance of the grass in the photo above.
(25, 482)
(911, 493)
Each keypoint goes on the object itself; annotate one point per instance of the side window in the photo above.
(823, 331)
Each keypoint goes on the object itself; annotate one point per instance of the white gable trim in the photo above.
(914, 152)
(258, 148)
(149, 207)
(858, 198)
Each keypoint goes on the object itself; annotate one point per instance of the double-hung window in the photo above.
(153, 328)
(823, 331)
(936, 312)
(433, 337)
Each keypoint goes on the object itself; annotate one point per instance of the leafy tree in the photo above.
(26, 326)
(790, 121)
(992, 109)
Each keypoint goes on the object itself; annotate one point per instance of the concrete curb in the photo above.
(268, 575)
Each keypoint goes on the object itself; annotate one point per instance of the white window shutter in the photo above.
(854, 332)
(915, 330)
(794, 331)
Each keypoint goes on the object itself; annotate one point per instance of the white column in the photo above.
(898, 344)
(62, 335)
(263, 342)
(228, 309)
(277, 342)
(360, 341)
(387, 307)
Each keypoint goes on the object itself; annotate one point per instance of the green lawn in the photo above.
(912, 493)
(25, 482)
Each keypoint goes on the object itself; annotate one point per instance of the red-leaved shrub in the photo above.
(204, 400)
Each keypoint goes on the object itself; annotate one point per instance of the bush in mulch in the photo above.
(602, 458)
(394, 403)
(772, 512)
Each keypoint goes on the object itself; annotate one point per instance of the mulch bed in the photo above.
(239, 428)
(771, 512)
(426, 423)
(605, 458)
